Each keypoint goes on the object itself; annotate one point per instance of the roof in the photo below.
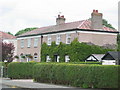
(114, 54)
(4, 35)
(83, 24)
(96, 56)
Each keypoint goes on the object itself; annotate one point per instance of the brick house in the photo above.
(88, 31)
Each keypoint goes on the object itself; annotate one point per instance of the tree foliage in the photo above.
(10, 33)
(7, 52)
(25, 30)
(105, 22)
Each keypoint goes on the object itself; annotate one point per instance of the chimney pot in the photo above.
(96, 11)
(62, 16)
(58, 16)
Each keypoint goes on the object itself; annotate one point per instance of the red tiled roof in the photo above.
(4, 35)
(84, 24)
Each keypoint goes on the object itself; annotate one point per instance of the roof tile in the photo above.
(4, 35)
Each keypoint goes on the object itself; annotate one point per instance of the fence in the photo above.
(3, 71)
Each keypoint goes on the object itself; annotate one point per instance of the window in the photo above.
(58, 39)
(48, 59)
(21, 57)
(29, 42)
(35, 56)
(49, 39)
(22, 43)
(68, 38)
(67, 58)
(58, 57)
(35, 42)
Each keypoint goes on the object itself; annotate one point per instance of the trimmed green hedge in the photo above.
(20, 70)
(78, 75)
(77, 51)
(100, 63)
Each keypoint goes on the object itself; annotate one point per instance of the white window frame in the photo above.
(48, 59)
(68, 38)
(58, 58)
(36, 42)
(67, 58)
(22, 43)
(29, 42)
(49, 40)
(58, 39)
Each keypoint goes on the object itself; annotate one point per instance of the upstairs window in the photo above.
(68, 38)
(35, 42)
(29, 42)
(58, 39)
(22, 43)
(49, 40)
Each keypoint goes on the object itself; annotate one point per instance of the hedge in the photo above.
(77, 51)
(20, 70)
(77, 75)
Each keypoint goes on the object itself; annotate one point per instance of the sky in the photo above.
(16, 15)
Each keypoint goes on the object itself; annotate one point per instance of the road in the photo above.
(5, 86)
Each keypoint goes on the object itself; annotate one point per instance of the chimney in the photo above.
(60, 20)
(96, 20)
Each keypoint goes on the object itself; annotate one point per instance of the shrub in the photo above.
(78, 75)
(20, 70)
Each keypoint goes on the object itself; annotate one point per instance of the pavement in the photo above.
(27, 83)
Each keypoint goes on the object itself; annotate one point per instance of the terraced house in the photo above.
(88, 31)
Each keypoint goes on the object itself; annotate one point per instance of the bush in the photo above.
(78, 75)
(20, 70)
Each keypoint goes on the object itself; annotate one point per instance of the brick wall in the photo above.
(31, 50)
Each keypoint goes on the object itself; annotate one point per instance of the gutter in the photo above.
(76, 29)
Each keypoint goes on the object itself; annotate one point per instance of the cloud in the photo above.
(19, 14)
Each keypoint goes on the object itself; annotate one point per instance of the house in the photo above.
(88, 31)
(94, 57)
(7, 38)
(111, 58)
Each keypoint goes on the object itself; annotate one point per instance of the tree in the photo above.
(10, 33)
(25, 30)
(7, 52)
(105, 22)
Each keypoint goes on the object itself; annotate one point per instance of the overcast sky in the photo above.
(20, 14)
